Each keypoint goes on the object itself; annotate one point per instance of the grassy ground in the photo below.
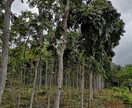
(107, 98)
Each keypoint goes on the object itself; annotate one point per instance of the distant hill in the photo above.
(113, 64)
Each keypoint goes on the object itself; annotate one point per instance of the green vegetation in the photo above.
(107, 98)
(124, 94)
(61, 56)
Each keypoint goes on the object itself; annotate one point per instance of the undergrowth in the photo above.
(71, 98)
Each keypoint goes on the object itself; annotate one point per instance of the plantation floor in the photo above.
(107, 98)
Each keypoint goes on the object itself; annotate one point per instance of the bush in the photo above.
(124, 94)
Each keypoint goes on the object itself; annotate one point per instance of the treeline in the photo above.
(120, 76)
(67, 44)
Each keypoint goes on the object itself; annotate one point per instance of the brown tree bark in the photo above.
(94, 84)
(99, 81)
(60, 78)
(82, 85)
(90, 89)
(46, 75)
(77, 79)
(50, 87)
(38, 64)
(5, 47)
(34, 83)
(40, 74)
(60, 51)
(41, 39)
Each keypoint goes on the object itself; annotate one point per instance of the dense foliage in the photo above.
(89, 31)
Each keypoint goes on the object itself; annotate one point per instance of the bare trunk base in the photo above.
(90, 90)
(60, 78)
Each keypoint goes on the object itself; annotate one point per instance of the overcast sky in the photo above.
(124, 50)
(17, 7)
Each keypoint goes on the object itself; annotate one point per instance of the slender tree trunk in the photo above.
(90, 89)
(38, 68)
(86, 83)
(79, 75)
(94, 84)
(102, 83)
(31, 72)
(99, 77)
(22, 72)
(34, 83)
(56, 72)
(69, 78)
(97, 82)
(77, 79)
(23, 62)
(60, 78)
(82, 85)
(69, 84)
(46, 75)
(40, 75)
(41, 39)
(66, 80)
(60, 51)
(5, 47)
(73, 82)
(39, 59)
(20, 87)
(49, 95)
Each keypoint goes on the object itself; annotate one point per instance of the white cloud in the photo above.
(18, 6)
(122, 5)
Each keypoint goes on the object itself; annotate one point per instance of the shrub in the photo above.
(124, 94)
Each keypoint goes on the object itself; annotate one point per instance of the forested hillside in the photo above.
(61, 57)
